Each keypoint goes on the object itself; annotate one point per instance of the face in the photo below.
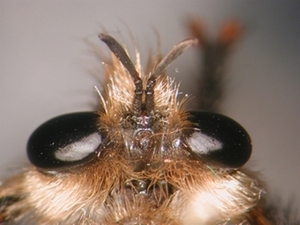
(142, 158)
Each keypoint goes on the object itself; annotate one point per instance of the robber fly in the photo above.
(142, 158)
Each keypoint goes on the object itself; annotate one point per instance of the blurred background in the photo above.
(47, 67)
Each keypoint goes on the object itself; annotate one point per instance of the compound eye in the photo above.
(65, 141)
(218, 138)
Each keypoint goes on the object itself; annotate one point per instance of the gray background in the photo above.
(47, 66)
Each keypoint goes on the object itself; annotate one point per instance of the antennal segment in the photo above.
(173, 54)
(150, 95)
(162, 66)
(120, 53)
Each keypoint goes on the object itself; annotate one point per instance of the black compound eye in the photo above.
(64, 141)
(218, 138)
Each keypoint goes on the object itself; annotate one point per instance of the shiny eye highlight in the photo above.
(65, 141)
(218, 138)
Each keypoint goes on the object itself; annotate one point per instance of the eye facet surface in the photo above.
(64, 141)
(219, 138)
